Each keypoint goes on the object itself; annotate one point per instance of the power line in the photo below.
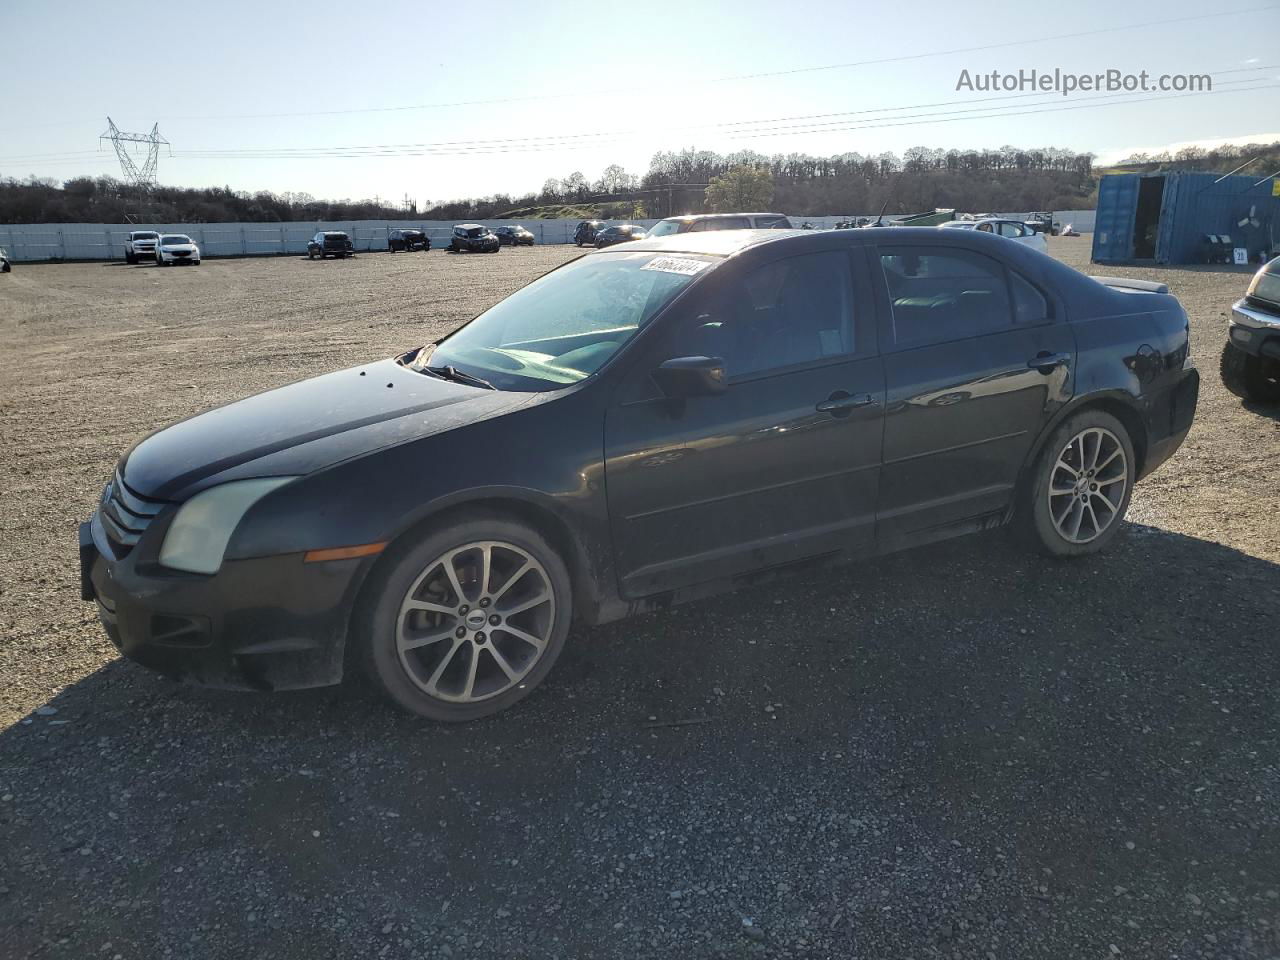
(615, 135)
(457, 148)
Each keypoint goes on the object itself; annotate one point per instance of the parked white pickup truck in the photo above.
(141, 243)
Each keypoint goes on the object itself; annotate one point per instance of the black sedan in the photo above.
(408, 239)
(1250, 362)
(639, 427)
(620, 233)
(514, 236)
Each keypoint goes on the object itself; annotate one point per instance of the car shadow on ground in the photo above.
(1270, 411)
(962, 745)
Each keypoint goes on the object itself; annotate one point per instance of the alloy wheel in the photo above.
(1087, 485)
(475, 622)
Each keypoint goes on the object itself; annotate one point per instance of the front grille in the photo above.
(125, 516)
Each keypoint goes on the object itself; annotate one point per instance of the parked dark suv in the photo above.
(585, 232)
(330, 243)
(619, 233)
(473, 237)
(640, 427)
(408, 239)
(1250, 362)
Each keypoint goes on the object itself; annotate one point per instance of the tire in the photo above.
(1249, 377)
(196, 262)
(6, 267)
(311, 254)
(432, 678)
(1079, 462)
(130, 258)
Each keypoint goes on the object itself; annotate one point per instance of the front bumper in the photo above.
(1254, 330)
(270, 623)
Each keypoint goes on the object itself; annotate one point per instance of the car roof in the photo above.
(718, 216)
(468, 226)
(727, 243)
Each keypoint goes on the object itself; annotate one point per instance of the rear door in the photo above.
(784, 464)
(976, 362)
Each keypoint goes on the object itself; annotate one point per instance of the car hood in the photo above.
(306, 426)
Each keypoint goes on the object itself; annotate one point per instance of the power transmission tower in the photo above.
(145, 177)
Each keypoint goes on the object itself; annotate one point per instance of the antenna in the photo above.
(145, 177)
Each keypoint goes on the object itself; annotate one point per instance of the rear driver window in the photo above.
(943, 294)
(1029, 304)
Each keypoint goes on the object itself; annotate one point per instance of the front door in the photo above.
(785, 463)
(975, 365)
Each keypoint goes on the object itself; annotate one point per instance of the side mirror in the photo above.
(691, 377)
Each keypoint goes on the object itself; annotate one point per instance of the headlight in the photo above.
(198, 536)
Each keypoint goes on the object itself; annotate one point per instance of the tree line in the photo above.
(922, 178)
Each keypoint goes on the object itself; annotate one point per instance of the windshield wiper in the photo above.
(449, 372)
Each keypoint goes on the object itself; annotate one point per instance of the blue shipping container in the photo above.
(1168, 217)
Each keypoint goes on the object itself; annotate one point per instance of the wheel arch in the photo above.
(525, 506)
(1118, 404)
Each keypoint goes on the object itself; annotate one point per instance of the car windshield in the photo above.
(562, 327)
(476, 232)
(665, 228)
(175, 238)
(144, 236)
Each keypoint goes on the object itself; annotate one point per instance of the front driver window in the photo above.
(786, 313)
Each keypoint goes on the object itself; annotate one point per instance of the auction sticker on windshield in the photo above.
(680, 265)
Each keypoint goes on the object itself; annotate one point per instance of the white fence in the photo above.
(103, 241)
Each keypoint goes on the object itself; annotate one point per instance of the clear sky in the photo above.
(234, 84)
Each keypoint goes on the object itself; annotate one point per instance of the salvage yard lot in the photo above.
(965, 750)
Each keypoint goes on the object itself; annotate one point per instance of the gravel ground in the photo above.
(964, 751)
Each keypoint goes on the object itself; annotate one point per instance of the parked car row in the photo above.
(166, 249)
(163, 250)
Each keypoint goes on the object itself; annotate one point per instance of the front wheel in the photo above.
(1249, 377)
(1077, 496)
(467, 620)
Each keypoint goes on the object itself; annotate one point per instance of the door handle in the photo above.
(1046, 362)
(841, 403)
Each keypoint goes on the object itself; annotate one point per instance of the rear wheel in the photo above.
(465, 621)
(1077, 495)
(1250, 377)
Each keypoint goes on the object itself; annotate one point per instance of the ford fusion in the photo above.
(639, 427)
